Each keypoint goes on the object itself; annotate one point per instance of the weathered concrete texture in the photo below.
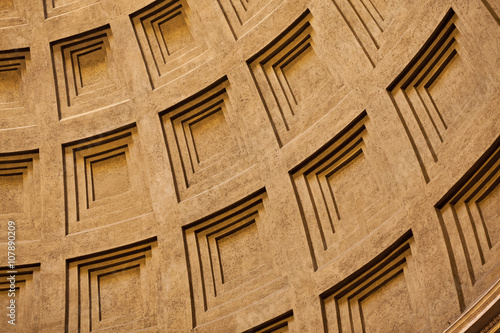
(251, 165)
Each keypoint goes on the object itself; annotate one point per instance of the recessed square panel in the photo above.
(93, 67)
(175, 33)
(339, 193)
(469, 216)
(210, 135)
(388, 308)
(171, 38)
(442, 86)
(230, 263)
(113, 290)
(379, 297)
(86, 75)
(20, 193)
(204, 142)
(10, 81)
(110, 176)
(305, 74)
(120, 287)
(26, 294)
(104, 180)
(293, 77)
(11, 192)
(14, 111)
(239, 251)
(353, 186)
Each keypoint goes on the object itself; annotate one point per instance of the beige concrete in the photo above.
(251, 165)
